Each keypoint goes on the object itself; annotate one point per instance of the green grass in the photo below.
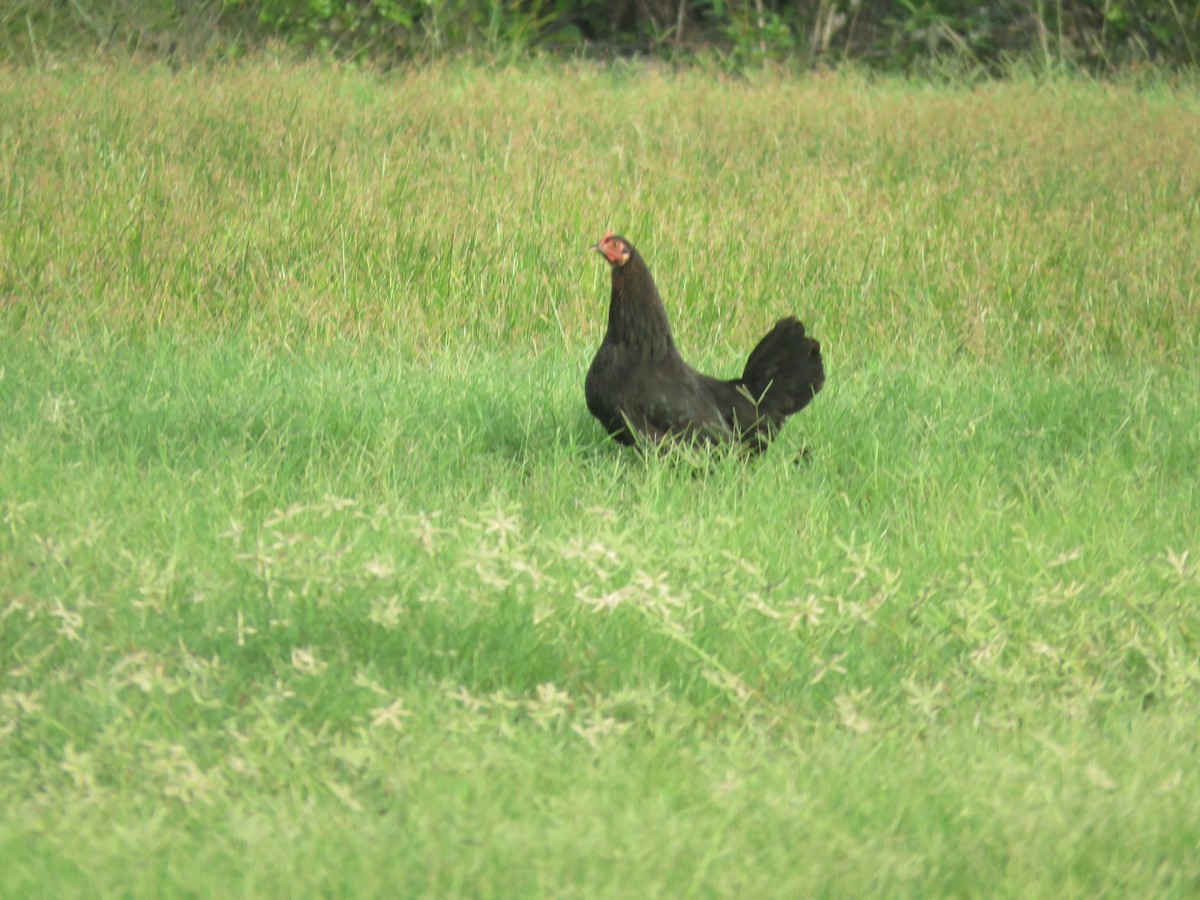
(317, 578)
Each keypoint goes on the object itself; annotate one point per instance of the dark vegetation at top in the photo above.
(990, 38)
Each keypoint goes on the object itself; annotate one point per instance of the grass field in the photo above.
(316, 577)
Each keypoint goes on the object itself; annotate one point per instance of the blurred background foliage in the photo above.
(894, 35)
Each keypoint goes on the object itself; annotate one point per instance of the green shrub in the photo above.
(1097, 35)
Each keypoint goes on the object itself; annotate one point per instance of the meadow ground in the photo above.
(317, 578)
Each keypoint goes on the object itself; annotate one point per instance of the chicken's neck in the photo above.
(636, 315)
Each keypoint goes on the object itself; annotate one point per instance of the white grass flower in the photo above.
(551, 705)
(809, 612)
(601, 514)
(848, 712)
(1063, 558)
(280, 692)
(468, 700)
(426, 532)
(69, 621)
(1171, 782)
(392, 716)
(728, 681)
(79, 767)
(826, 667)
(353, 750)
(379, 568)
(21, 703)
(243, 630)
(362, 680)
(499, 699)
(537, 576)
(597, 728)
(58, 408)
(305, 661)
(760, 606)
(344, 794)
(754, 570)
(150, 675)
(491, 578)
(181, 777)
(1041, 648)
(599, 559)
(386, 612)
(234, 532)
(1177, 562)
(860, 612)
(502, 523)
(987, 653)
(239, 766)
(603, 603)
(1099, 777)
(927, 700)
(331, 503)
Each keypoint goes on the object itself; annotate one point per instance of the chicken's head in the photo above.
(615, 249)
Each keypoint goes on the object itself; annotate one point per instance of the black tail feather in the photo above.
(784, 372)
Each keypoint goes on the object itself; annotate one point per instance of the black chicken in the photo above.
(640, 388)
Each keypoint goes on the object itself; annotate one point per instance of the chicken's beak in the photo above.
(599, 245)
